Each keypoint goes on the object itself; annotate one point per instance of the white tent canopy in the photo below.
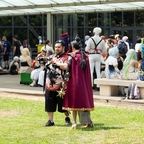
(28, 7)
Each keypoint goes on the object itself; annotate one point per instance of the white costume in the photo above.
(41, 78)
(113, 62)
(35, 73)
(47, 48)
(95, 57)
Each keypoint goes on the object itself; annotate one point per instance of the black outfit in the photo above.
(13, 69)
(139, 57)
(24, 64)
(51, 101)
(6, 56)
(120, 64)
(17, 45)
(51, 98)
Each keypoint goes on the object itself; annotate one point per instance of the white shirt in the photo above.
(90, 45)
(48, 48)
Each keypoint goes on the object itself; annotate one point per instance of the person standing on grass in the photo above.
(59, 63)
(79, 95)
(6, 53)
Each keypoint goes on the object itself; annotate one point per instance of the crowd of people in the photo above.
(68, 67)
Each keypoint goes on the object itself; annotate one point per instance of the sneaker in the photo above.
(49, 123)
(67, 121)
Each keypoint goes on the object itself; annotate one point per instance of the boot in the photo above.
(33, 83)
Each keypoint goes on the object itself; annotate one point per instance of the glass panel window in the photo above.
(33, 40)
(5, 21)
(20, 20)
(116, 31)
(116, 19)
(60, 20)
(140, 33)
(104, 19)
(21, 33)
(139, 18)
(90, 19)
(105, 31)
(6, 32)
(35, 20)
(128, 18)
(80, 19)
(130, 40)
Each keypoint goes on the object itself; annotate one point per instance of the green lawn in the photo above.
(22, 122)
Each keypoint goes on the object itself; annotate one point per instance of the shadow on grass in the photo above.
(96, 127)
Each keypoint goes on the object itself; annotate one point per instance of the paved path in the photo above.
(11, 84)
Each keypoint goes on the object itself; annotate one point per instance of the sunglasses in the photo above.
(60, 41)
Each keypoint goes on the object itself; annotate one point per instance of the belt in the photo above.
(94, 53)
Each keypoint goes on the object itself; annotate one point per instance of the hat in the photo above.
(64, 34)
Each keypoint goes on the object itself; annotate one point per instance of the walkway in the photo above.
(11, 84)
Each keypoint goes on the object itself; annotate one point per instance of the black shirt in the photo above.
(17, 45)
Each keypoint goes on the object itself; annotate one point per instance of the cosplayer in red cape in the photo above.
(79, 95)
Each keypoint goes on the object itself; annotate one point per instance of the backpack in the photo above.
(124, 48)
(133, 92)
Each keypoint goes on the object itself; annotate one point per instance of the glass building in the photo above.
(129, 23)
(50, 18)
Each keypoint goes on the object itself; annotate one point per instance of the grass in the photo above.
(24, 119)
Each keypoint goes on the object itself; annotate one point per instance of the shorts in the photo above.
(52, 101)
(6, 57)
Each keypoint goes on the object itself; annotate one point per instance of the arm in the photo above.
(119, 45)
(38, 56)
(5, 48)
(62, 66)
(88, 45)
(17, 66)
(14, 49)
(29, 61)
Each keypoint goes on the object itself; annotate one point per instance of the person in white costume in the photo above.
(95, 52)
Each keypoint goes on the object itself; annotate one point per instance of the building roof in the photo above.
(28, 7)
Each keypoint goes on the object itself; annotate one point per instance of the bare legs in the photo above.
(74, 116)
